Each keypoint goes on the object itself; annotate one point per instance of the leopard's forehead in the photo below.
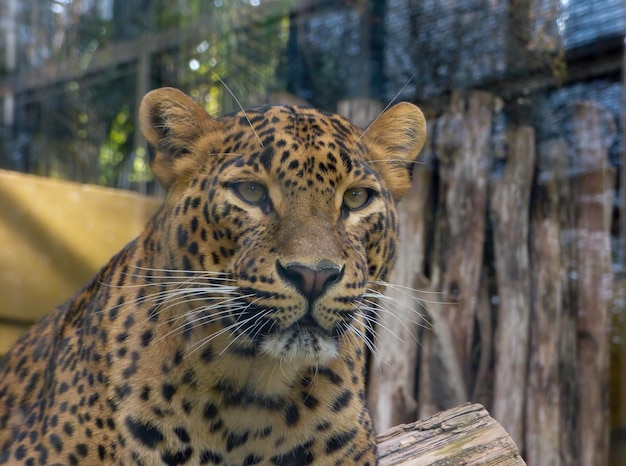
(309, 125)
(297, 143)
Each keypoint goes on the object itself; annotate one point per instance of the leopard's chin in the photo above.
(305, 345)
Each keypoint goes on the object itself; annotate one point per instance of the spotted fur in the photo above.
(232, 330)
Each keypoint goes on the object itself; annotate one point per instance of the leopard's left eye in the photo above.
(251, 192)
(357, 198)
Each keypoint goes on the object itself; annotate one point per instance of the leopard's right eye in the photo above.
(357, 198)
(251, 192)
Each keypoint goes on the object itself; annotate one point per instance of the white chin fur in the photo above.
(300, 346)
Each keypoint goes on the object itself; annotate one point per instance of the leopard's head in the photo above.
(283, 219)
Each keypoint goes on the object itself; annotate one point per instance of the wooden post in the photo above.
(568, 339)
(391, 387)
(441, 382)
(462, 146)
(543, 391)
(482, 391)
(593, 131)
(509, 211)
(618, 373)
(621, 251)
(618, 325)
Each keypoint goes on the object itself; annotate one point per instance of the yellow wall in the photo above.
(54, 235)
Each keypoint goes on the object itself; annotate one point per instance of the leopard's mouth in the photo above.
(303, 342)
(258, 322)
(307, 324)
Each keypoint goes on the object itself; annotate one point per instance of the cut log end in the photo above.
(465, 435)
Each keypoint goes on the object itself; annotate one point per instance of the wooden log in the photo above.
(462, 146)
(482, 391)
(463, 435)
(543, 391)
(568, 344)
(441, 382)
(593, 131)
(618, 373)
(391, 386)
(509, 212)
(618, 325)
(621, 245)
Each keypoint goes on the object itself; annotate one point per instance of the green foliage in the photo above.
(112, 151)
(83, 127)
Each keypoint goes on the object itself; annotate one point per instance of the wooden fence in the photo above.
(516, 285)
(511, 255)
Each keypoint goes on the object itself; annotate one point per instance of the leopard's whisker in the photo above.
(225, 304)
(194, 282)
(178, 271)
(230, 329)
(411, 292)
(168, 295)
(380, 308)
(391, 303)
(199, 344)
(186, 283)
(407, 292)
(239, 104)
(166, 274)
(376, 322)
(180, 329)
(365, 339)
(205, 319)
(243, 322)
(389, 104)
(175, 299)
(237, 311)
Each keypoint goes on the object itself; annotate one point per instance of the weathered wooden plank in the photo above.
(60, 233)
(621, 244)
(593, 131)
(463, 435)
(568, 332)
(543, 392)
(441, 382)
(482, 390)
(617, 366)
(462, 146)
(509, 212)
(391, 386)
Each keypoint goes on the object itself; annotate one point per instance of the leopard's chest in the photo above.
(313, 423)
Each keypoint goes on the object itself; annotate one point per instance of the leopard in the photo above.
(235, 329)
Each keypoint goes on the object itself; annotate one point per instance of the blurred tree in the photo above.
(88, 64)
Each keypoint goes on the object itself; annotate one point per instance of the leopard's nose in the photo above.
(311, 282)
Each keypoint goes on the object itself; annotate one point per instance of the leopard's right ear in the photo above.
(172, 123)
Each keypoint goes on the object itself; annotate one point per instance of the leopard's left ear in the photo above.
(172, 123)
(395, 140)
